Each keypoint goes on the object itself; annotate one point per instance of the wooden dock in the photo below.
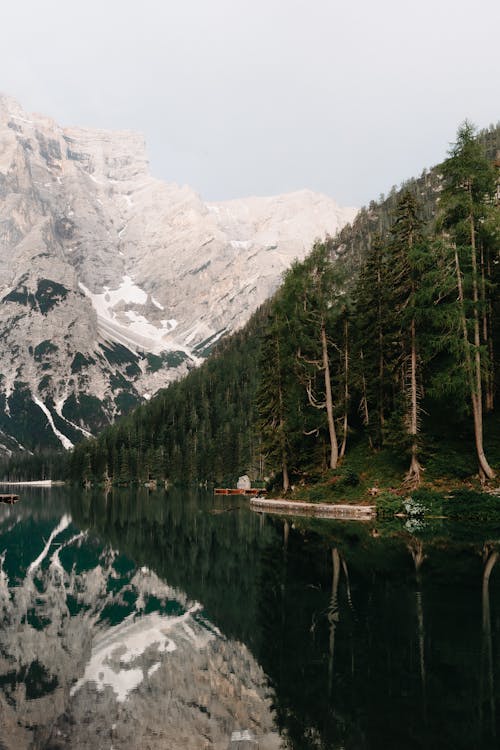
(236, 491)
(9, 499)
(318, 510)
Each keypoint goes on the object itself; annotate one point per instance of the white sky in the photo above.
(242, 97)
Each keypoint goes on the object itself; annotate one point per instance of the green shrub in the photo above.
(388, 504)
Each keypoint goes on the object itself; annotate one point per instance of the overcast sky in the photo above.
(256, 97)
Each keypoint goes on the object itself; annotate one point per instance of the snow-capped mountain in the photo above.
(113, 283)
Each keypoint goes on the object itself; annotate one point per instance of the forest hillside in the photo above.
(380, 349)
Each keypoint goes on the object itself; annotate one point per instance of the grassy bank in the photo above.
(449, 488)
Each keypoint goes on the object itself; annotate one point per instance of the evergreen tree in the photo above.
(124, 470)
(271, 397)
(371, 299)
(468, 192)
(315, 289)
(345, 355)
(407, 256)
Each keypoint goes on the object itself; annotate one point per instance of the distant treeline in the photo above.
(202, 427)
(386, 334)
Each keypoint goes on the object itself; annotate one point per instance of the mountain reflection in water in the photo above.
(139, 620)
(97, 651)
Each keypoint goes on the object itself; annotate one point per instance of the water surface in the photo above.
(173, 620)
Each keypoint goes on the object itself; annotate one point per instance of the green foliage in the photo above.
(44, 383)
(80, 361)
(349, 478)
(117, 354)
(168, 359)
(155, 362)
(43, 349)
(44, 464)
(21, 295)
(125, 401)
(388, 504)
(133, 370)
(449, 456)
(319, 493)
(206, 347)
(25, 421)
(88, 408)
(423, 502)
(473, 505)
(49, 294)
(174, 359)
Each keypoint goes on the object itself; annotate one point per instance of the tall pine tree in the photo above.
(407, 256)
(468, 192)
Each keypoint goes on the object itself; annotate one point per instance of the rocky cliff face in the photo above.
(113, 283)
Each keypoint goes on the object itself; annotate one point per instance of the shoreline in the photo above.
(34, 483)
(318, 510)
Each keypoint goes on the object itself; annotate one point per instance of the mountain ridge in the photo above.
(114, 283)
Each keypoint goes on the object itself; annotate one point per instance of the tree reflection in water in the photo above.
(487, 683)
(416, 548)
(368, 640)
(399, 670)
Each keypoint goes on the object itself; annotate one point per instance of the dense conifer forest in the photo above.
(384, 341)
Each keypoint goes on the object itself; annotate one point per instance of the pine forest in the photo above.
(379, 352)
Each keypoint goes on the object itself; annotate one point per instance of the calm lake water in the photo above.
(180, 620)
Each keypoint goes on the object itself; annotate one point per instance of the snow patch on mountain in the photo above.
(126, 293)
(127, 326)
(58, 407)
(66, 442)
(113, 283)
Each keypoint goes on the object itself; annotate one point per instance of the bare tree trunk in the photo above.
(284, 464)
(333, 615)
(380, 358)
(486, 325)
(487, 647)
(478, 411)
(416, 548)
(474, 376)
(414, 472)
(364, 403)
(334, 450)
(286, 479)
(346, 388)
(490, 398)
(286, 534)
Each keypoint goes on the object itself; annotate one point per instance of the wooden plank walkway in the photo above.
(318, 510)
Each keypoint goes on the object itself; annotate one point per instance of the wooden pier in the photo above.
(9, 499)
(318, 510)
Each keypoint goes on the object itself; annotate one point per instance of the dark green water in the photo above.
(172, 620)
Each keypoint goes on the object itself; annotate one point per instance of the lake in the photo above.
(180, 620)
